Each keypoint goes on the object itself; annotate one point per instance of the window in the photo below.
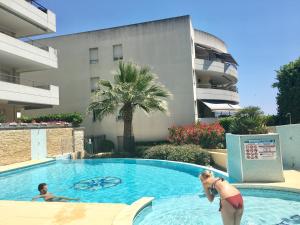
(117, 52)
(94, 83)
(94, 55)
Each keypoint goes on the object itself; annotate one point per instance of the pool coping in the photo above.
(266, 187)
(24, 165)
(128, 214)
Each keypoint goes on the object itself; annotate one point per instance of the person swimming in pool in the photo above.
(48, 197)
(231, 200)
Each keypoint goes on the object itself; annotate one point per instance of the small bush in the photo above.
(182, 153)
(2, 118)
(249, 120)
(74, 118)
(205, 135)
(226, 122)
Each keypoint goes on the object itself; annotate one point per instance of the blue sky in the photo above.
(262, 35)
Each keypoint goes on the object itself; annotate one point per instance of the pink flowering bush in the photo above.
(205, 135)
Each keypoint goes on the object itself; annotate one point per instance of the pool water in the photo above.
(136, 181)
(179, 198)
(261, 208)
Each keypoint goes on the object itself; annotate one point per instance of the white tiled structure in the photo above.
(18, 20)
(194, 65)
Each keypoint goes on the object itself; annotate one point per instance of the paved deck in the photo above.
(23, 164)
(58, 213)
(292, 182)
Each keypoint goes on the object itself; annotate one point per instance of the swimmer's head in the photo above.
(43, 188)
(205, 175)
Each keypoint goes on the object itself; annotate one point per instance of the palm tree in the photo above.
(133, 87)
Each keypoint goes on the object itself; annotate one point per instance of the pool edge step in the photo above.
(127, 215)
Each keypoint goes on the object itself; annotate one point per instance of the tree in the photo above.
(288, 97)
(133, 87)
(249, 120)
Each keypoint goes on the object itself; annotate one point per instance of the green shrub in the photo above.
(249, 120)
(74, 118)
(106, 146)
(226, 122)
(140, 149)
(2, 118)
(182, 153)
(272, 120)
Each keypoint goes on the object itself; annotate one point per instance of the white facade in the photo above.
(168, 46)
(20, 19)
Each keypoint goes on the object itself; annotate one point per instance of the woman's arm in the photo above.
(209, 196)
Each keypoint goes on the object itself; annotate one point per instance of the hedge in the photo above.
(182, 153)
(74, 118)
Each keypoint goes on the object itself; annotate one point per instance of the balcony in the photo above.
(26, 57)
(16, 90)
(216, 69)
(21, 18)
(218, 94)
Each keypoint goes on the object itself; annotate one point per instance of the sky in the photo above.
(261, 35)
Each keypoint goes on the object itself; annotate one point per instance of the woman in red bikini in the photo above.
(231, 201)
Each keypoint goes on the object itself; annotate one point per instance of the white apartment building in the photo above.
(20, 19)
(194, 65)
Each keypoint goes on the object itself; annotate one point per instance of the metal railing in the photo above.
(216, 59)
(22, 81)
(37, 5)
(225, 88)
(35, 43)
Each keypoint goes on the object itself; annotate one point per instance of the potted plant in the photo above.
(253, 154)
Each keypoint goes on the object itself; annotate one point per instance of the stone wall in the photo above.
(78, 135)
(59, 141)
(15, 146)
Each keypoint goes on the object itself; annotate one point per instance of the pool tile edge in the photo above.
(267, 187)
(127, 215)
(23, 165)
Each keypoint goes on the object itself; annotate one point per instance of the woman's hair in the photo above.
(206, 174)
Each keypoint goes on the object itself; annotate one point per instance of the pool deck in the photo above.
(291, 183)
(64, 213)
(23, 164)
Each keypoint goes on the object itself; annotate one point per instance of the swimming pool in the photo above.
(103, 180)
(178, 195)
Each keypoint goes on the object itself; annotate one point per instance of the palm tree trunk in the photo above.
(128, 139)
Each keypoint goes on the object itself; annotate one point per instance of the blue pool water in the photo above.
(178, 194)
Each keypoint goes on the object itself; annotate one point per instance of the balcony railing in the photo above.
(22, 81)
(209, 58)
(37, 5)
(35, 43)
(226, 88)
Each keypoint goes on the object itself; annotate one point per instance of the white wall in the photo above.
(290, 145)
(164, 45)
(31, 13)
(207, 39)
(20, 93)
(217, 94)
(24, 57)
